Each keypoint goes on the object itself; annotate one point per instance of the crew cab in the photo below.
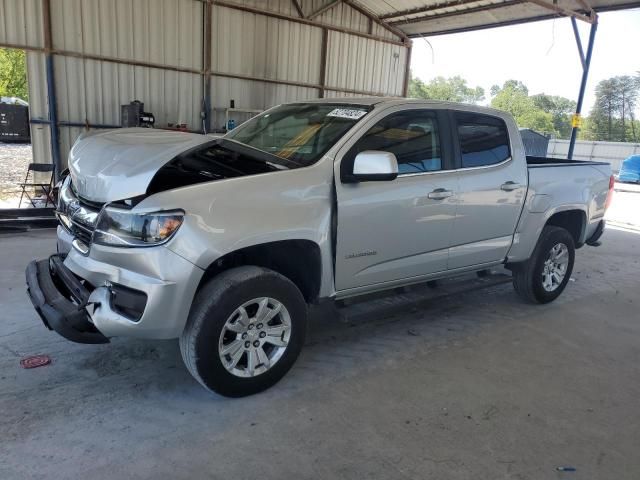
(225, 242)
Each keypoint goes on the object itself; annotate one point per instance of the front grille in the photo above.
(82, 233)
(80, 216)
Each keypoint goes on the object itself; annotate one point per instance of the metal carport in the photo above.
(420, 19)
(187, 59)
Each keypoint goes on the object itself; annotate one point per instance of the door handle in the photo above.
(440, 194)
(510, 186)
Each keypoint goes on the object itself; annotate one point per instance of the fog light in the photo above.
(128, 302)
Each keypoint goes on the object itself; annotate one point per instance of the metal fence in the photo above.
(612, 152)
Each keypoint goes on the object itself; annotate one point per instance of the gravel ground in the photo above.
(14, 160)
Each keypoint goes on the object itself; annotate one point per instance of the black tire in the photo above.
(214, 303)
(527, 276)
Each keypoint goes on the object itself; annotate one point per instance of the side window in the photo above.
(483, 140)
(411, 136)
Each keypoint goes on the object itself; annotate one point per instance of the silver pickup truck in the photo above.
(223, 243)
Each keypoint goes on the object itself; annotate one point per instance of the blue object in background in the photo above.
(630, 170)
(231, 124)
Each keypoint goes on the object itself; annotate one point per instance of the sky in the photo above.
(543, 55)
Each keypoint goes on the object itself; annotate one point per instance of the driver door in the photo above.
(393, 230)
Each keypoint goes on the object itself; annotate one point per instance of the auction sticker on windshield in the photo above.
(350, 113)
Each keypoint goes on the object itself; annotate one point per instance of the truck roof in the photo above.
(389, 101)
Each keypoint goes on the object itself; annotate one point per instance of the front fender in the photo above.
(229, 215)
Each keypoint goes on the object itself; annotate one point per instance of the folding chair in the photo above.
(29, 182)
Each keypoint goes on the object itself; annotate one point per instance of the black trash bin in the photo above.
(14, 123)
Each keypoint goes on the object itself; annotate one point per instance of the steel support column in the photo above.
(407, 70)
(323, 62)
(586, 62)
(206, 66)
(51, 89)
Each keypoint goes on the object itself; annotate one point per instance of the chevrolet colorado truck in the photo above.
(223, 243)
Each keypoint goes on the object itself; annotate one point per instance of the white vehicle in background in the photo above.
(14, 101)
(224, 243)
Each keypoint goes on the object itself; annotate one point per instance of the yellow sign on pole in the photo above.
(576, 120)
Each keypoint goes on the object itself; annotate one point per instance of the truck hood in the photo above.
(120, 164)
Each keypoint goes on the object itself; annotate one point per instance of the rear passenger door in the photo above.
(492, 188)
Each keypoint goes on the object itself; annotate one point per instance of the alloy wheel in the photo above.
(555, 267)
(254, 337)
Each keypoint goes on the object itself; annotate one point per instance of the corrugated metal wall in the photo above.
(164, 32)
(261, 47)
(344, 16)
(21, 22)
(612, 152)
(361, 64)
(110, 52)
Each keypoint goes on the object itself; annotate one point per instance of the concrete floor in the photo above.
(460, 382)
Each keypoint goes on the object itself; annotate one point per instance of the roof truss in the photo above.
(443, 10)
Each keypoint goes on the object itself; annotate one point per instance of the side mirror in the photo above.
(374, 165)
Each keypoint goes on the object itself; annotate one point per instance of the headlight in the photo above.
(65, 196)
(122, 228)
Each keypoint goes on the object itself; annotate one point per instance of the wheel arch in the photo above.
(574, 220)
(297, 259)
(572, 217)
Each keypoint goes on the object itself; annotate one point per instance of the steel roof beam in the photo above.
(306, 21)
(455, 13)
(493, 6)
(431, 8)
(585, 4)
(296, 4)
(461, 3)
(373, 17)
(323, 9)
(564, 11)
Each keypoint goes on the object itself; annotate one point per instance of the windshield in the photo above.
(299, 133)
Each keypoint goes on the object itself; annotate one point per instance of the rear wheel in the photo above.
(245, 330)
(543, 277)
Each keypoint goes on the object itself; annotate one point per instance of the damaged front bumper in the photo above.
(113, 292)
(61, 300)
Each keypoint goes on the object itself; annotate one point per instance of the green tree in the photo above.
(511, 85)
(612, 117)
(513, 97)
(584, 133)
(454, 89)
(602, 115)
(560, 108)
(628, 92)
(13, 73)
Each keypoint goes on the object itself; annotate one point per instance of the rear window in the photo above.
(483, 140)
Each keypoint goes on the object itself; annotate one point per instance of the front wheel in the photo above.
(543, 277)
(245, 330)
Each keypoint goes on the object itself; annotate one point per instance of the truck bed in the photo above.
(533, 162)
